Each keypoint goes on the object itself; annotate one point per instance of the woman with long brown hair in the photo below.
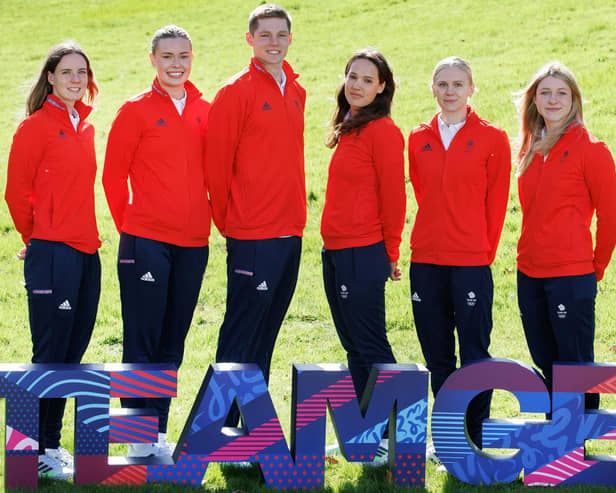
(50, 194)
(364, 211)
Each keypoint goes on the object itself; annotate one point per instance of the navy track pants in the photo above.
(354, 280)
(558, 316)
(447, 299)
(159, 289)
(261, 279)
(63, 286)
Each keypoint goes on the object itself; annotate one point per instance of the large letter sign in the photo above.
(451, 442)
(395, 403)
(560, 457)
(551, 452)
(95, 426)
(397, 396)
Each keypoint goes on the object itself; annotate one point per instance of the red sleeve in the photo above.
(225, 122)
(600, 178)
(122, 142)
(26, 154)
(414, 177)
(389, 164)
(498, 171)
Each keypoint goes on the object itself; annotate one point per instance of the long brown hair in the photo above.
(381, 106)
(42, 88)
(533, 138)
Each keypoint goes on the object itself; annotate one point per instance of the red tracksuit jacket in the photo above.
(558, 199)
(255, 156)
(461, 192)
(365, 200)
(161, 153)
(50, 178)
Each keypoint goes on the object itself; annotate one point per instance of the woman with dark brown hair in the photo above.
(50, 194)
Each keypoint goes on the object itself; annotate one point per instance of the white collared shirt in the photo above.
(448, 132)
(283, 81)
(74, 118)
(180, 104)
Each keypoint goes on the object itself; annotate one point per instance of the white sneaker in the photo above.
(142, 449)
(382, 454)
(62, 455)
(50, 466)
(161, 449)
(332, 449)
(431, 454)
(164, 447)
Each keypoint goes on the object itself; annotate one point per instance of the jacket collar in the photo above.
(471, 119)
(54, 103)
(192, 92)
(286, 67)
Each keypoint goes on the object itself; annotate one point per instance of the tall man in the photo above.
(155, 185)
(255, 172)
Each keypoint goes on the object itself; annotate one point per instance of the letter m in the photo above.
(394, 406)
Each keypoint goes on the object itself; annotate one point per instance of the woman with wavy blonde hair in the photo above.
(532, 122)
(565, 177)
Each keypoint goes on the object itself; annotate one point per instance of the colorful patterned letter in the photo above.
(463, 459)
(558, 452)
(92, 386)
(396, 402)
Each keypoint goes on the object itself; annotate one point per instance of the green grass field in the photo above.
(505, 41)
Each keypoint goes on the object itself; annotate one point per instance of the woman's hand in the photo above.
(395, 273)
(22, 253)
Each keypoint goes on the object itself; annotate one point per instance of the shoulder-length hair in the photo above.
(381, 106)
(533, 137)
(42, 88)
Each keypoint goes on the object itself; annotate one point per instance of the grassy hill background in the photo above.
(506, 42)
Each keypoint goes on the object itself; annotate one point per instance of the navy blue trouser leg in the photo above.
(558, 316)
(261, 279)
(447, 299)
(354, 280)
(63, 286)
(159, 287)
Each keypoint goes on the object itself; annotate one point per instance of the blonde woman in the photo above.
(565, 176)
(460, 168)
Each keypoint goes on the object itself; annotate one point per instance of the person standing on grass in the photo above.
(460, 167)
(565, 177)
(363, 216)
(255, 171)
(155, 186)
(50, 195)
